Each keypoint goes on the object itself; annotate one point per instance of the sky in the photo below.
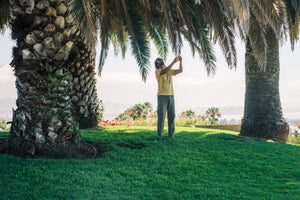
(121, 82)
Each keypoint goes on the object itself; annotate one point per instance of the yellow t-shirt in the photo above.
(165, 82)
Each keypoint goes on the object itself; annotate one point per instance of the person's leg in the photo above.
(161, 113)
(171, 116)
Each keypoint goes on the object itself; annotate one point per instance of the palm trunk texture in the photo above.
(43, 121)
(85, 107)
(263, 116)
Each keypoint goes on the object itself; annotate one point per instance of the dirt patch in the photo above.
(83, 151)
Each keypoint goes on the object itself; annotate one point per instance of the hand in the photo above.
(176, 59)
(180, 58)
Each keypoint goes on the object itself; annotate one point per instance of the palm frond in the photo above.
(102, 58)
(119, 25)
(257, 37)
(124, 45)
(206, 51)
(271, 12)
(105, 26)
(224, 30)
(294, 30)
(293, 12)
(128, 17)
(172, 27)
(202, 40)
(238, 11)
(160, 41)
(4, 15)
(86, 19)
(186, 9)
(115, 43)
(146, 9)
(293, 7)
(140, 44)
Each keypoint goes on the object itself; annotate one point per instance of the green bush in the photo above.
(3, 125)
(186, 121)
(136, 112)
(122, 117)
(294, 139)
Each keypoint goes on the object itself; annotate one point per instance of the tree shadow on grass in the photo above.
(245, 139)
(112, 139)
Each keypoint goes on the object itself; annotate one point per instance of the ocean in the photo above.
(291, 118)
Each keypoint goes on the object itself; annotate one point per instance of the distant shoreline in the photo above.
(291, 118)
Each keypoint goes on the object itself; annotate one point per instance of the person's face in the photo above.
(161, 64)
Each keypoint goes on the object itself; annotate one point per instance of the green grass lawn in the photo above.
(196, 164)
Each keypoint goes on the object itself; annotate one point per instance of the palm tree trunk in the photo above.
(85, 106)
(43, 121)
(263, 116)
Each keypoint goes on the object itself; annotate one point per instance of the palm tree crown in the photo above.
(136, 22)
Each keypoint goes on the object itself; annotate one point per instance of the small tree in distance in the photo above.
(188, 114)
(213, 115)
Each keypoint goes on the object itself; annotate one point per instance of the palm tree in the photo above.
(85, 107)
(84, 99)
(188, 114)
(261, 25)
(213, 114)
(262, 110)
(43, 121)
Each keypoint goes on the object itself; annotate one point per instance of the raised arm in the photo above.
(167, 69)
(180, 70)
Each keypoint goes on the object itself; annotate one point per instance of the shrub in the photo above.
(187, 121)
(3, 125)
(138, 112)
(123, 117)
(294, 139)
